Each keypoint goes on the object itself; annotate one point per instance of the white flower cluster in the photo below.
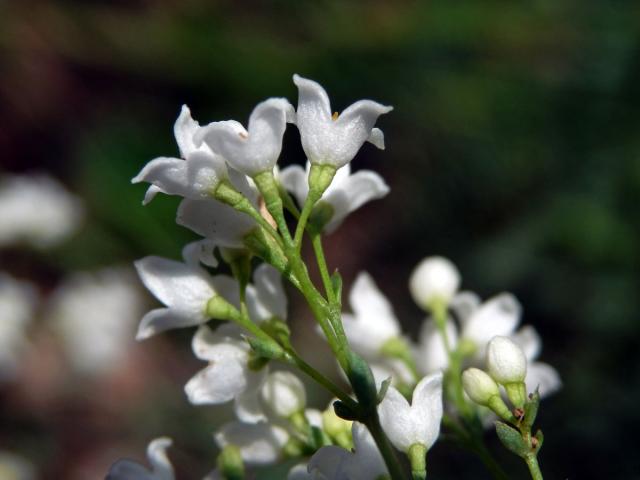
(235, 197)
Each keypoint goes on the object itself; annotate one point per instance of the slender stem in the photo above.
(304, 216)
(316, 241)
(534, 468)
(386, 449)
(314, 374)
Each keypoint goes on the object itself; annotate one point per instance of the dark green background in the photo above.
(513, 149)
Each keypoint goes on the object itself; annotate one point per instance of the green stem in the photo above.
(316, 241)
(304, 216)
(534, 468)
(384, 446)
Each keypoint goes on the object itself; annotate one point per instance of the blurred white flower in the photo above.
(38, 210)
(373, 322)
(283, 394)
(335, 463)
(346, 193)
(259, 443)
(540, 375)
(331, 139)
(185, 289)
(18, 301)
(266, 297)
(161, 468)
(195, 175)
(416, 423)
(256, 149)
(434, 279)
(95, 315)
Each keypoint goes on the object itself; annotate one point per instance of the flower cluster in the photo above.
(242, 204)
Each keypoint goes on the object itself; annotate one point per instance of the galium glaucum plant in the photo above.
(471, 367)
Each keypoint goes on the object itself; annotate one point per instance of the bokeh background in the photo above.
(513, 149)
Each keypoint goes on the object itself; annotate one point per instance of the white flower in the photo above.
(259, 443)
(373, 322)
(540, 375)
(15, 467)
(95, 315)
(434, 279)
(266, 298)
(38, 210)
(283, 394)
(418, 423)
(228, 376)
(346, 193)
(506, 361)
(334, 140)
(184, 289)
(161, 468)
(218, 222)
(196, 176)
(18, 301)
(336, 463)
(257, 149)
(432, 354)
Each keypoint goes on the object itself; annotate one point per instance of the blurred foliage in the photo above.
(512, 149)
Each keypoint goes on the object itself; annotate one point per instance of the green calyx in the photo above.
(230, 463)
(418, 459)
(218, 308)
(517, 393)
(320, 177)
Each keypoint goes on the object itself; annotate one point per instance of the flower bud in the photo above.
(506, 361)
(283, 394)
(479, 386)
(435, 279)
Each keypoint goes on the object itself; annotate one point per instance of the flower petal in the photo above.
(248, 408)
(376, 138)
(267, 298)
(219, 345)
(427, 408)
(432, 353)
(162, 319)
(220, 382)
(259, 444)
(529, 341)
(184, 130)
(464, 304)
(294, 179)
(330, 463)
(200, 251)
(543, 377)
(497, 316)
(396, 419)
(157, 453)
(367, 461)
(176, 284)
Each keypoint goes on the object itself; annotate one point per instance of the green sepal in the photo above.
(531, 410)
(264, 246)
(268, 187)
(220, 309)
(362, 381)
(383, 389)
(511, 439)
(344, 411)
(230, 463)
(265, 348)
(418, 459)
(320, 177)
(336, 283)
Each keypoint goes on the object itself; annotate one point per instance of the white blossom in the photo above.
(373, 322)
(506, 361)
(185, 289)
(94, 315)
(266, 297)
(283, 394)
(38, 210)
(18, 301)
(329, 139)
(259, 443)
(363, 463)
(218, 222)
(256, 149)
(434, 279)
(346, 193)
(161, 468)
(195, 175)
(540, 375)
(416, 423)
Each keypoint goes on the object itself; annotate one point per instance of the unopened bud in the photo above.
(284, 394)
(479, 386)
(435, 279)
(507, 365)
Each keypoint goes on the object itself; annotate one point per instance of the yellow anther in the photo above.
(334, 117)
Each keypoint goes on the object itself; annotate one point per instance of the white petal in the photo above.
(200, 251)
(162, 319)
(544, 377)
(294, 179)
(283, 393)
(157, 453)
(396, 419)
(176, 284)
(300, 472)
(248, 408)
(464, 304)
(215, 221)
(427, 406)
(184, 130)
(529, 341)
(259, 444)
(330, 463)
(367, 461)
(376, 138)
(498, 316)
(432, 353)
(352, 193)
(313, 102)
(220, 382)
(268, 298)
(219, 345)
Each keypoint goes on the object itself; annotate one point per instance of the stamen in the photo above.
(334, 117)
(243, 135)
